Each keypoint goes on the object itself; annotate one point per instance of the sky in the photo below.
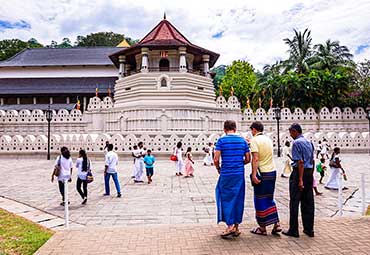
(236, 29)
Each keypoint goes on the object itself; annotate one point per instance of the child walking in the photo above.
(149, 160)
(321, 168)
(189, 163)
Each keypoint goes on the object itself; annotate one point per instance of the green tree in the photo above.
(330, 55)
(10, 47)
(102, 39)
(241, 78)
(300, 51)
(219, 74)
(66, 43)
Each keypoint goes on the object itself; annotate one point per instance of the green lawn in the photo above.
(20, 236)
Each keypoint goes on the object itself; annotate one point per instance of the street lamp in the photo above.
(277, 112)
(49, 117)
(368, 117)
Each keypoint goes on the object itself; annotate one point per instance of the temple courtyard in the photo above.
(174, 214)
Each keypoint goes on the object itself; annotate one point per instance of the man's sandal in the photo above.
(276, 230)
(259, 231)
(228, 233)
(237, 233)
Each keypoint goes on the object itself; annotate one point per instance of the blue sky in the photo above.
(249, 30)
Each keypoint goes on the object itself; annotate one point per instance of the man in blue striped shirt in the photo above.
(230, 190)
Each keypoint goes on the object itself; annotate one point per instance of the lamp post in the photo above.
(277, 112)
(368, 117)
(49, 116)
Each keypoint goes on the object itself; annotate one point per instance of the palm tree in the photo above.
(299, 51)
(331, 54)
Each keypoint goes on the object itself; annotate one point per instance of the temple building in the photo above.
(35, 78)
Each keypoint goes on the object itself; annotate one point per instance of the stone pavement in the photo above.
(168, 200)
(335, 236)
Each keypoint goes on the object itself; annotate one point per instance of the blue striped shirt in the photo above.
(233, 148)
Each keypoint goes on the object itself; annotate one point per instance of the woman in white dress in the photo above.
(335, 170)
(208, 159)
(179, 163)
(286, 160)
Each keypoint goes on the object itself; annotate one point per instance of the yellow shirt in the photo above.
(263, 145)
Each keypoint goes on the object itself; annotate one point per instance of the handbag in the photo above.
(173, 158)
(89, 175)
(56, 171)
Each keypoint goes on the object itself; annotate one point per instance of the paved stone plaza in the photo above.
(168, 200)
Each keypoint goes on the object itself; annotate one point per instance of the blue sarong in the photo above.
(230, 193)
(264, 203)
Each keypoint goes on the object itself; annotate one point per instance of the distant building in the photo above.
(35, 78)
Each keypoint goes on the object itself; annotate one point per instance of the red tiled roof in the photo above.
(164, 33)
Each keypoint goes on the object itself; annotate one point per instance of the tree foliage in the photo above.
(102, 39)
(9, 48)
(240, 78)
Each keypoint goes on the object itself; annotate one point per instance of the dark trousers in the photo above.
(84, 186)
(304, 197)
(61, 189)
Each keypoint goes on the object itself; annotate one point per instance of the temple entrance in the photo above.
(164, 65)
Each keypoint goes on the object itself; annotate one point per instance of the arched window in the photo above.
(164, 65)
(163, 82)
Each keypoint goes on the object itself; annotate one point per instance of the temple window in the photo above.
(163, 82)
(164, 65)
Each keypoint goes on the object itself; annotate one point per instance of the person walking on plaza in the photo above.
(179, 163)
(65, 164)
(189, 164)
(325, 149)
(287, 160)
(208, 159)
(319, 148)
(139, 154)
(149, 161)
(263, 178)
(233, 151)
(301, 184)
(336, 170)
(83, 165)
(321, 169)
(111, 162)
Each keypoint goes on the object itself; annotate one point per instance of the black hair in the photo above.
(230, 125)
(135, 147)
(322, 160)
(110, 147)
(65, 152)
(189, 149)
(140, 143)
(84, 160)
(257, 125)
(296, 127)
(179, 145)
(287, 143)
(149, 151)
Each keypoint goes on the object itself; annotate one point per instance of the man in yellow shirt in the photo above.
(263, 180)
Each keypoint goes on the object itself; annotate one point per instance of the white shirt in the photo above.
(178, 153)
(111, 160)
(65, 168)
(286, 152)
(138, 154)
(82, 174)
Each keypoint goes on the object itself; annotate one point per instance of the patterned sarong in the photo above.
(266, 211)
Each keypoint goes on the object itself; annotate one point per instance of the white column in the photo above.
(50, 100)
(144, 60)
(1, 101)
(206, 65)
(68, 100)
(18, 100)
(122, 71)
(85, 104)
(34, 100)
(182, 52)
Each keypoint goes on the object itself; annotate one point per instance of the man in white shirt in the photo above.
(111, 162)
(139, 154)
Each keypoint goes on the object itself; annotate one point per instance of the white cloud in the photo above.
(252, 30)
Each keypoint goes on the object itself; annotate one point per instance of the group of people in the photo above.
(322, 155)
(180, 165)
(142, 159)
(233, 152)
